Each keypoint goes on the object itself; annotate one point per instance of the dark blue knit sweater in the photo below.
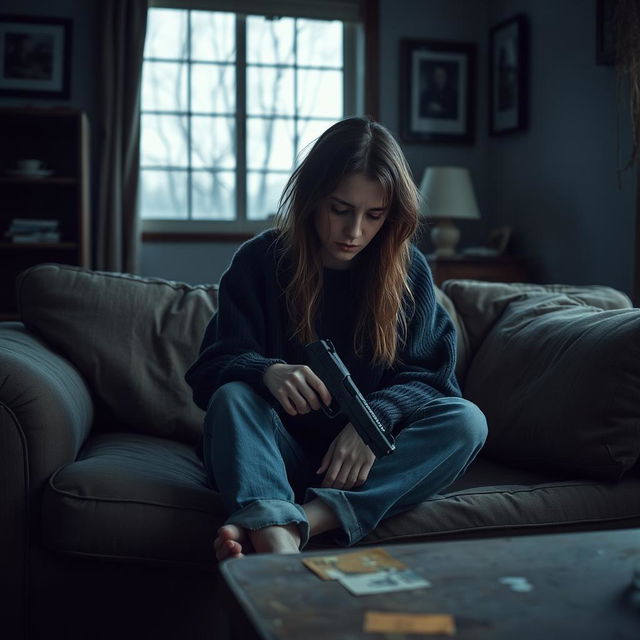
(249, 333)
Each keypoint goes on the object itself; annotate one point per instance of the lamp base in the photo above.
(445, 236)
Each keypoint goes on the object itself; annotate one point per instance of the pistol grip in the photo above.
(332, 410)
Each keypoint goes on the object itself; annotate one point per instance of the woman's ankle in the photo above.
(276, 539)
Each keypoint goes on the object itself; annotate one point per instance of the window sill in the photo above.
(201, 230)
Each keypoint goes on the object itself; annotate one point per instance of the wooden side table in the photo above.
(494, 269)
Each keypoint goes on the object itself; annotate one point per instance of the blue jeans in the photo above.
(263, 475)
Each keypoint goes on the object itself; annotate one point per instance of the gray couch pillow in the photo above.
(132, 339)
(559, 383)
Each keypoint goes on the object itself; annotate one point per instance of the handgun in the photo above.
(347, 399)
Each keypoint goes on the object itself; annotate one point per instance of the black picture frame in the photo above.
(437, 91)
(605, 32)
(509, 76)
(35, 56)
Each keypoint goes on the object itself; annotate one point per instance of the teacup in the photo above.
(30, 165)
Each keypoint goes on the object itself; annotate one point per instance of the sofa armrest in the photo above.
(44, 402)
(46, 414)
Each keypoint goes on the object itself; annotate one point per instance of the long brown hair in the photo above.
(353, 145)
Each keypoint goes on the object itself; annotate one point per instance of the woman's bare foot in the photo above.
(276, 539)
(230, 542)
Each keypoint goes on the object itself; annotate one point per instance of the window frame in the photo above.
(353, 103)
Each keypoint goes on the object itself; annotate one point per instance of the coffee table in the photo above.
(581, 589)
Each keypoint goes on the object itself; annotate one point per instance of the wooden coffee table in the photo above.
(582, 590)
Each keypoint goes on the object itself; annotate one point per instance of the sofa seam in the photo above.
(74, 496)
(447, 532)
(176, 286)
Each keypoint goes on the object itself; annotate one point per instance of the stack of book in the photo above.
(33, 230)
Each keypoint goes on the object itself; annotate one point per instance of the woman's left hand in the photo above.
(347, 462)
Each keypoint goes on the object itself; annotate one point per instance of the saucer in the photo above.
(38, 173)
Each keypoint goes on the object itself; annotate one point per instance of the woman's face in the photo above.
(348, 219)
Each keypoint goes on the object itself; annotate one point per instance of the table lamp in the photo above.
(446, 194)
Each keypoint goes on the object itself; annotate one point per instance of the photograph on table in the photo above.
(437, 91)
(35, 57)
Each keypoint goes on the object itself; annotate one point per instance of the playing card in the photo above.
(359, 562)
(385, 622)
(383, 582)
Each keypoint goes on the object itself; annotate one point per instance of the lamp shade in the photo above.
(447, 192)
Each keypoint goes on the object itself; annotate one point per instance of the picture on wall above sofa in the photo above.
(509, 76)
(437, 91)
(36, 57)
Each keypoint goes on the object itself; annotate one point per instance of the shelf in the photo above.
(52, 180)
(38, 245)
(59, 139)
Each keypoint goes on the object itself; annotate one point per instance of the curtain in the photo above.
(118, 229)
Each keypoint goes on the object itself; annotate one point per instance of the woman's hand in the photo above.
(347, 462)
(296, 387)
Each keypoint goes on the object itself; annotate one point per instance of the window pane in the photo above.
(270, 143)
(163, 194)
(320, 93)
(164, 141)
(264, 190)
(214, 195)
(213, 88)
(213, 36)
(164, 86)
(166, 34)
(270, 41)
(308, 132)
(212, 142)
(319, 42)
(270, 91)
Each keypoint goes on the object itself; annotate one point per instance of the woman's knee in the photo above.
(470, 422)
(226, 400)
(229, 394)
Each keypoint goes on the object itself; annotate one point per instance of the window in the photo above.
(229, 104)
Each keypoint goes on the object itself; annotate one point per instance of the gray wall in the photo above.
(449, 20)
(555, 184)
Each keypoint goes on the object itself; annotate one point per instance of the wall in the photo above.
(449, 20)
(557, 183)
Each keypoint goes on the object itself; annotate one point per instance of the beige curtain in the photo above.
(124, 24)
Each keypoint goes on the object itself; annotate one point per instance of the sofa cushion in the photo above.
(133, 496)
(479, 304)
(462, 339)
(558, 382)
(132, 339)
(138, 497)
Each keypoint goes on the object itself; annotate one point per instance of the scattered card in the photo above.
(358, 562)
(383, 582)
(380, 622)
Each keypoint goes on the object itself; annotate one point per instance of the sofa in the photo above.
(107, 522)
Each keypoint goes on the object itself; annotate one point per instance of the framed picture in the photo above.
(437, 91)
(605, 32)
(35, 57)
(508, 76)
(499, 239)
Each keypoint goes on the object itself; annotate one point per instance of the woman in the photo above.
(337, 265)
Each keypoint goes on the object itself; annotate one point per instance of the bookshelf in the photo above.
(59, 138)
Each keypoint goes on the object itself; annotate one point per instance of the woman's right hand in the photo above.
(296, 387)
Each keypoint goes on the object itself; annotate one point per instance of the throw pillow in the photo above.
(559, 383)
(479, 304)
(132, 339)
